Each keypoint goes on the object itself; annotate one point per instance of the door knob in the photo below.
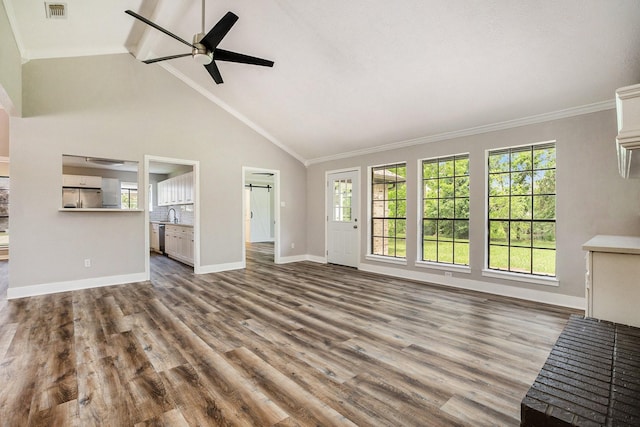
(355, 226)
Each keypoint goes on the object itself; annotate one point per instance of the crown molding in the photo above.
(220, 103)
(32, 54)
(509, 124)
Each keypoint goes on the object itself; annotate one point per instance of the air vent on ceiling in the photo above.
(56, 10)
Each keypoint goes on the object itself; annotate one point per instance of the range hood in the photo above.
(628, 139)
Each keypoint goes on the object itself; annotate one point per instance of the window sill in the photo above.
(445, 267)
(519, 277)
(389, 260)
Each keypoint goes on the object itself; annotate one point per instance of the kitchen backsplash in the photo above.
(161, 213)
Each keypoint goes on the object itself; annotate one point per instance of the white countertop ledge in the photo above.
(613, 244)
(178, 224)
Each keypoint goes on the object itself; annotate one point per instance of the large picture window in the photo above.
(389, 210)
(445, 213)
(522, 209)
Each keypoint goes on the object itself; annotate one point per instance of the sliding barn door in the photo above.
(260, 214)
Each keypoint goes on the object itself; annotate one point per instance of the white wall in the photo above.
(115, 107)
(10, 74)
(592, 198)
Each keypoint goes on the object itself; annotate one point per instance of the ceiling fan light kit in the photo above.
(199, 51)
(204, 48)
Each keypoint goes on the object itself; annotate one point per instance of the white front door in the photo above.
(343, 218)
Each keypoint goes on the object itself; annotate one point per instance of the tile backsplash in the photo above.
(183, 212)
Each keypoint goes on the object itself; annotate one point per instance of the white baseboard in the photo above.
(290, 259)
(318, 259)
(480, 286)
(217, 268)
(74, 285)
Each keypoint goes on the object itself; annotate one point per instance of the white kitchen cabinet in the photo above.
(160, 193)
(179, 183)
(154, 237)
(188, 187)
(628, 138)
(176, 191)
(179, 243)
(81, 181)
(613, 279)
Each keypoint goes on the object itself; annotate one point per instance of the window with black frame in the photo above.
(522, 209)
(445, 210)
(389, 210)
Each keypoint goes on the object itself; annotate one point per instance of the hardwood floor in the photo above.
(286, 345)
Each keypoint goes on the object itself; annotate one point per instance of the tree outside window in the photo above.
(522, 209)
(129, 195)
(445, 213)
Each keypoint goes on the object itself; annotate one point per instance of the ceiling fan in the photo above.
(204, 48)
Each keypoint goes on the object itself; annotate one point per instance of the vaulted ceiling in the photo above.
(360, 75)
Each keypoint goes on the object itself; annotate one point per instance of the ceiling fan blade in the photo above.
(158, 27)
(164, 58)
(217, 33)
(226, 55)
(212, 68)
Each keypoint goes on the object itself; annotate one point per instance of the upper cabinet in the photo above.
(628, 139)
(81, 181)
(176, 191)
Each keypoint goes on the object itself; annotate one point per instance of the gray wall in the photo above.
(592, 198)
(4, 133)
(10, 73)
(112, 106)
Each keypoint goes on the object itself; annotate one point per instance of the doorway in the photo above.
(172, 220)
(261, 212)
(343, 213)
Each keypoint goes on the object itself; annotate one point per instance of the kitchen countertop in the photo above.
(179, 224)
(613, 244)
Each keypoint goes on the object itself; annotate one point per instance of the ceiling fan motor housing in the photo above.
(200, 52)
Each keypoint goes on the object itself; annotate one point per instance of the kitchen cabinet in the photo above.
(176, 191)
(161, 193)
(81, 181)
(628, 138)
(613, 279)
(188, 187)
(179, 243)
(154, 237)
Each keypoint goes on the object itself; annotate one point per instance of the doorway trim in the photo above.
(196, 208)
(358, 171)
(276, 212)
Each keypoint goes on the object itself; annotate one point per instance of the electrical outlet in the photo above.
(447, 274)
(87, 262)
(293, 246)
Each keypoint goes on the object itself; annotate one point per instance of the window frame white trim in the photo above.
(522, 277)
(387, 259)
(454, 268)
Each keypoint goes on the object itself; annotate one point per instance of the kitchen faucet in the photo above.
(175, 216)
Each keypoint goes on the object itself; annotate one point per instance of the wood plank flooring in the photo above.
(271, 345)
